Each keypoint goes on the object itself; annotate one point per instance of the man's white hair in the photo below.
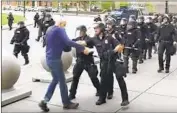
(59, 20)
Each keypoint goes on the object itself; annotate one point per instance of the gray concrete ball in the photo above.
(66, 60)
(10, 70)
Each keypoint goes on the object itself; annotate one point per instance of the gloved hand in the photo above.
(119, 48)
(83, 43)
(147, 39)
(174, 43)
(87, 51)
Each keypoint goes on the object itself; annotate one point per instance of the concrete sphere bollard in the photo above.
(66, 60)
(10, 70)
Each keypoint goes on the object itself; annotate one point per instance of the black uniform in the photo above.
(36, 18)
(150, 41)
(20, 38)
(131, 43)
(41, 28)
(47, 24)
(165, 36)
(84, 62)
(144, 35)
(10, 21)
(105, 48)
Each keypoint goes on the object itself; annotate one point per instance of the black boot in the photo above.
(43, 106)
(167, 70)
(125, 103)
(100, 101)
(141, 61)
(26, 59)
(71, 106)
(160, 70)
(38, 38)
(134, 71)
(110, 96)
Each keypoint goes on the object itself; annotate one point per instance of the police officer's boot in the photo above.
(167, 69)
(38, 38)
(110, 96)
(134, 67)
(16, 55)
(26, 59)
(160, 69)
(100, 101)
(125, 103)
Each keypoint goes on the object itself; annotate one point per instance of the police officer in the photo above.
(132, 18)
(174, 22)
(36, 18)
(150, 41)
(41, 27)
(47, 23)
(20, 40)
(131, 41)
(144, 35)
(97, 19)
(84, 62)
(155, 19)
(10, 19)
(106, 46)
(111, 29)
(121, 29)
(166, 37)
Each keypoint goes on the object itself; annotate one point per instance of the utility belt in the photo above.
(84, 61)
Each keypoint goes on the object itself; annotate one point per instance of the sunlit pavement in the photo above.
(148, 90)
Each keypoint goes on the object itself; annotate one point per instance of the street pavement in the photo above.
(148, 90)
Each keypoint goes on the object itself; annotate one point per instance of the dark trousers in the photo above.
(40, 33)
(106, 82)
(10, 25)
(77, 71)
(23, 49)
(134, 57)
(148, 50)
(35, 23)
(164, 47)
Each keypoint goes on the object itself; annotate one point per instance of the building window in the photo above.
(40, 3)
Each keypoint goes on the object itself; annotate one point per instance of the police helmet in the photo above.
(166, 17)
(100, 25)
(49, 15)
(133, 24)
(21, 23)
(82, 28)
(111, 21)
(123, 21)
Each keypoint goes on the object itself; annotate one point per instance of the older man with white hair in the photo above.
(56, 42)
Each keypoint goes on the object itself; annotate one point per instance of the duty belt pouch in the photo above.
(26, 47)
(172, 50)
(120, 69)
